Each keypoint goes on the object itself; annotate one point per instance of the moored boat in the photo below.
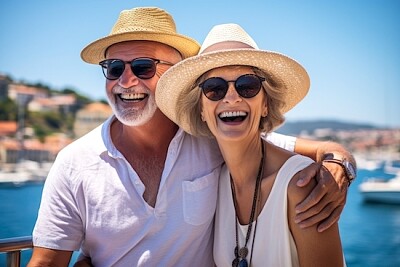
(25, 172)
(381, 191)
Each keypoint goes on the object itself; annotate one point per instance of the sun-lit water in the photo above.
(370, 232)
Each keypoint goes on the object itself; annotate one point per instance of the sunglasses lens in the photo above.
(248, 86)
(113, 69)
(214, 88)
(143, 68)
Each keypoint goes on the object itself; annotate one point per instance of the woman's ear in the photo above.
(265, 110)
(202, 115)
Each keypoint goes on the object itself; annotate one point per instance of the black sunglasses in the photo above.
(143, 68)
(246, 86)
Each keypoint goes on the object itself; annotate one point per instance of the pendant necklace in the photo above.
(241, 253)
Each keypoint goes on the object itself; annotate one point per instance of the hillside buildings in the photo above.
(18, 142)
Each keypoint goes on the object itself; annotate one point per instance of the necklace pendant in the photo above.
(236, 252)
(243, 263)
(243, 252)
(235, 262)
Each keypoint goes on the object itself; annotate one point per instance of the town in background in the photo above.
(36, 122)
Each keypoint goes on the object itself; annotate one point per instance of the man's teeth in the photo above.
(227, 114)
(133, 96)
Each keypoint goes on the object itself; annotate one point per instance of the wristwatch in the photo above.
(348, 168)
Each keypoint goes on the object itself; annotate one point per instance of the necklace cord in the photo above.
(242, 252)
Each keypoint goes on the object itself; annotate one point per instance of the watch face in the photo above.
(350, 168)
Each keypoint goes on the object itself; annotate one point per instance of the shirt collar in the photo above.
(107, 146)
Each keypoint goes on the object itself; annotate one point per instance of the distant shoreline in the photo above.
(35, 173)
(24, 172)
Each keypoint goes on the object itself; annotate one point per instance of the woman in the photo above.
(233, 91)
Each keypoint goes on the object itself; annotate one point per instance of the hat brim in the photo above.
(95, 51)
(179, 78)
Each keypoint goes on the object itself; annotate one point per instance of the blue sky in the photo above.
(350, 48)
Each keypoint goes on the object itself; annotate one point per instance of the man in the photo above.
(138, 191)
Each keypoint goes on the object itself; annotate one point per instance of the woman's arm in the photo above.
(314, 248)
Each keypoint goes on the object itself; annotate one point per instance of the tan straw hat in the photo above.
(142, 23)
(225, 45)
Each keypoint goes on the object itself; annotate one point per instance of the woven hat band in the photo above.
(225, 46)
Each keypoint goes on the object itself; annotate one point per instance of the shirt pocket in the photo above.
(200, 198)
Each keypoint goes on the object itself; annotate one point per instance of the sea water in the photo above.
(370, 233)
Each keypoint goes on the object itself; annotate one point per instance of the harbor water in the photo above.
(370, 233)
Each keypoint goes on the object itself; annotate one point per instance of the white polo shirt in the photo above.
(92, 200)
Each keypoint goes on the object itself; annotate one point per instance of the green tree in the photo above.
(45, 123)
(8, 110)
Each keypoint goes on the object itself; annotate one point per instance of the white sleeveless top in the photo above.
(274, 244)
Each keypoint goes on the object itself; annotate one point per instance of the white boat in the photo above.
(369, 164)
(392, 167)
(24, 172)
(381, 191)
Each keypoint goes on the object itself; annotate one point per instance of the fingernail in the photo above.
(300, 181)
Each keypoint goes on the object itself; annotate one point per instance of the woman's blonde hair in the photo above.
(274, 91)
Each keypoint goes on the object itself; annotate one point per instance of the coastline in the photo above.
(24, 172)
(34, 172)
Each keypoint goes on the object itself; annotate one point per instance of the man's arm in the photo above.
(49, 257)
(326, 201)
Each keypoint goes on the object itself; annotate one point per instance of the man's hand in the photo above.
(326, 201)
(83, 262)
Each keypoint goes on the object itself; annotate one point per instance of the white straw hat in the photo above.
(225, 45)
(142, 23)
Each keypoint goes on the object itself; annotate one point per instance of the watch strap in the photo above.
(347, 173)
